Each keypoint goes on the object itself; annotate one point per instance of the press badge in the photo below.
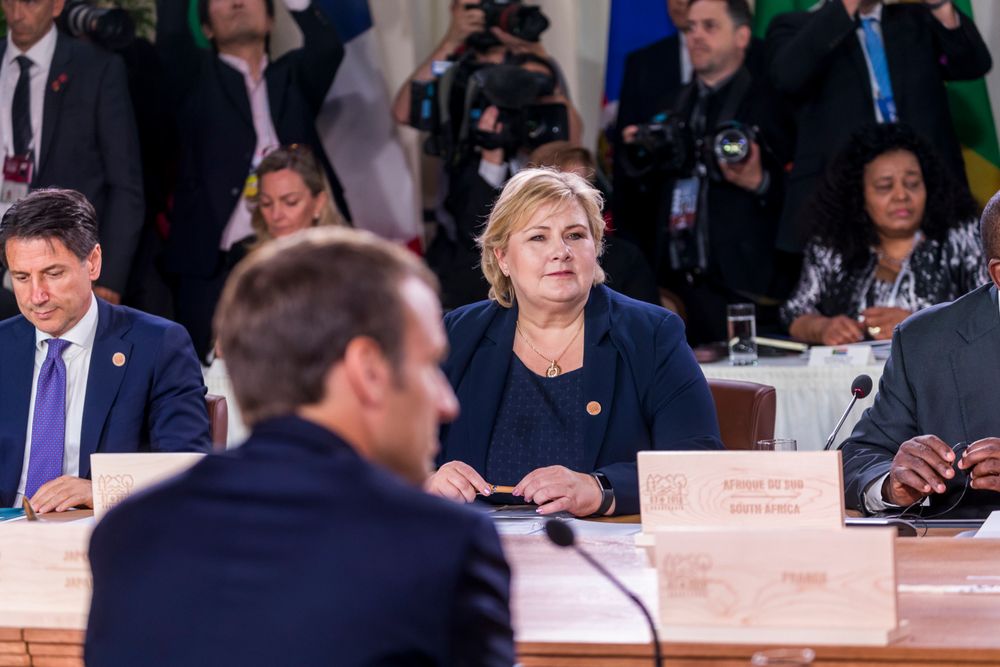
(684, 205)
(17, 173)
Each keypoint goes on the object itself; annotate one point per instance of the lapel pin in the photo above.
(118, 359)
(593, 408)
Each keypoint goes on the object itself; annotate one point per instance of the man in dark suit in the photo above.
(232, 106)
(719, 247)
(69, 113)
(852, 62)
(312, 543)
(80, 375)
(936, 397)
(652, 77)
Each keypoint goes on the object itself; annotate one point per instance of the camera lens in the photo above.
(732, 145)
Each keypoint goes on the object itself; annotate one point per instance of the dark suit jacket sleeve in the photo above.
(963, 53)
(317, 61)
(868, 453)
(179, 54)
(800, 45)
(482, 633)
(178, 418)
(124, 209)
(680, 406)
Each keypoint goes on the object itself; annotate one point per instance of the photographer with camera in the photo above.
(487, 96)
(66, 120)
(233, 105)
(720, 187)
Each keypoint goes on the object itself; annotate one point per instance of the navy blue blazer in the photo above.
(636, 364)
(939, 381)
(294, 550)
(155, 401)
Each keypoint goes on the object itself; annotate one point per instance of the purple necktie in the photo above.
(48, 425)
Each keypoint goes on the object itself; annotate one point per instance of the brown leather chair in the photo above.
(218, 420)
(746, 412)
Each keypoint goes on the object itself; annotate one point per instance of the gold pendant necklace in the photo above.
(554, 369)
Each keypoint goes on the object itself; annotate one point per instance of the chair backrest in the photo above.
(746, 412)
(218, 420)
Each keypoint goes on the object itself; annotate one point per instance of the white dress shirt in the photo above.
(77, 360)
(239, 227)
(41, 57)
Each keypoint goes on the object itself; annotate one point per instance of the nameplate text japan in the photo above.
(786, 587)
(118, 476)
(44, 574)
(751, 489)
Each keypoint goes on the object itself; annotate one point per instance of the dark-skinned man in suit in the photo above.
(931, 441)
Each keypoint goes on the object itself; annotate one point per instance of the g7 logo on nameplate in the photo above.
(114, 488)
(666, 492)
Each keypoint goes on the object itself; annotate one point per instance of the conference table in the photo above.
(565, 614)
(810, 399)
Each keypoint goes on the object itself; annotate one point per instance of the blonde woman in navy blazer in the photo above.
(555, 356)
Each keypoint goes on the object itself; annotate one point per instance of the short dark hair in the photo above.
(290, 309)
(203, 10)
(989, 227)
(739, 11)
(51, 213)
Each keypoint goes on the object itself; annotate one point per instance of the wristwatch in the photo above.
(607, 493)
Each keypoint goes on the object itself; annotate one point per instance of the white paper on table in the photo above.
(990, 527)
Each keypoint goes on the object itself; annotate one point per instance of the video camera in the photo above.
(668, 144)
(523, 21)
(450, 106)
(111, 27)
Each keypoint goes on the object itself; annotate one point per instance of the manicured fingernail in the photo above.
(487, 491)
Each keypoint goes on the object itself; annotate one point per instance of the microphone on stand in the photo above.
(860, 388)
(561, 534)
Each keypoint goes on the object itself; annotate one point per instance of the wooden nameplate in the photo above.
(720, 489)
(45, 574)
(791, 587)
(118, 476)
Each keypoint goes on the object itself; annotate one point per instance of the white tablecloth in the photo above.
(810, 401)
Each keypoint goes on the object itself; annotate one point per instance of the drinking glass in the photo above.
(741, 325)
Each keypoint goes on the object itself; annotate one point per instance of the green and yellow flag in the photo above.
(975, 105)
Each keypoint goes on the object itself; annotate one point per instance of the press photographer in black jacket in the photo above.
(719, 182)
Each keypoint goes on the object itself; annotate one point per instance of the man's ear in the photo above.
(743, 36)
(993, 268)
(93, 263)
(368, 371)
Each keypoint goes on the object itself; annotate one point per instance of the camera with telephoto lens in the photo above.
(515, 18)
(667, 144)
(449, 109)
(111, 27)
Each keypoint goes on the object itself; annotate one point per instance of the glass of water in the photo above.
(741, 324)
(777, 445)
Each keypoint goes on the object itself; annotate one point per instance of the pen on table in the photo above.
(29, 511)
(496, 488)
